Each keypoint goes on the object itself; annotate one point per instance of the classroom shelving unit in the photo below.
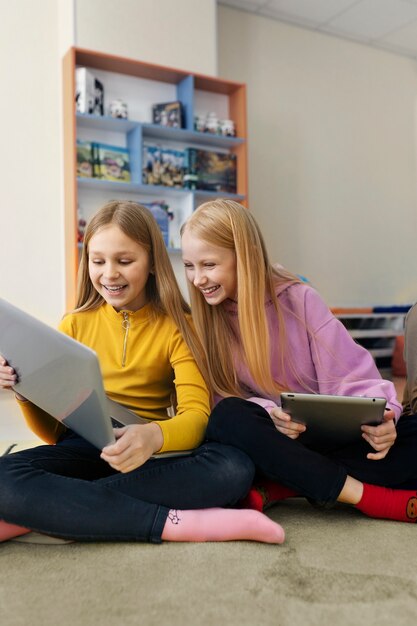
(141, 85)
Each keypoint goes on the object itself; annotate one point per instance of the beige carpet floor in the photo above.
(335, 568)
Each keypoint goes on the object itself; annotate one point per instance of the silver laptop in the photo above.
(62, 377)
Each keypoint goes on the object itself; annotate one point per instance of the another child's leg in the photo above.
(221, 525)
(380, 502)
(264, 493)
(318, 477)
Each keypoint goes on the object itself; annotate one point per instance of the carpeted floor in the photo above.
(336, 568)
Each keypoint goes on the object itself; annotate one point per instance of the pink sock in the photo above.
(264, 493)
(221, 525)
(8, 531)
(395, 504)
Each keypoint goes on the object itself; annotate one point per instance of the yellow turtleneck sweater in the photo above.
(144, 360)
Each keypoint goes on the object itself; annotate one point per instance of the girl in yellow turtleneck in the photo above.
(131, 312)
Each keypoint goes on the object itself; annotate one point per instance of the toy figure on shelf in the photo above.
(200, 123)
(227, 128)
(89, 92)
(212, 124)
(118, 109)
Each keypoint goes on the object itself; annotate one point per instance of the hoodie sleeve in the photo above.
(343, 367)
(265, 403)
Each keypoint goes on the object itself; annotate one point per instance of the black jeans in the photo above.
(67, 491)
(317, 475)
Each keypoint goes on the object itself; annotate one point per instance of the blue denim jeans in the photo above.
(67, 491)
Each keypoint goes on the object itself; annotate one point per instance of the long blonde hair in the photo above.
(163, 293)
(227, 224)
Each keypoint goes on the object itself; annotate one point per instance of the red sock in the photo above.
(9, 531)
(395, 504)
(264, 493)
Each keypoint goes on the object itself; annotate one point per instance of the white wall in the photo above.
(177, 33)
(332, 155)
(34, 37)
(31, 263)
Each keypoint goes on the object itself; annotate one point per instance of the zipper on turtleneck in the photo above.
(126, 326)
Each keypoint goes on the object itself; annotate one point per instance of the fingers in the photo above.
(118, 432)
(8, 376)
(130, 451)
(287, 427)
(388, 415)
(386, 428)
(118, 452)
(289, 433)
(381, 438)
(377, 456)
(279, 414)
(378, 443)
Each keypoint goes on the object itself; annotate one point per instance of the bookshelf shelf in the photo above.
(141, 85)
(189, 136)
(153, 131)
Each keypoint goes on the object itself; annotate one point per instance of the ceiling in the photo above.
(387, 24)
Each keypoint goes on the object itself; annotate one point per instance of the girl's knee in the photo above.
(230, 414)
(226, 412)
(234, 470)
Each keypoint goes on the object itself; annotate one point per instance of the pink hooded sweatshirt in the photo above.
(319, 352)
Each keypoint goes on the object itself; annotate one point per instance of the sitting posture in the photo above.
(265, 332)
(131, 312)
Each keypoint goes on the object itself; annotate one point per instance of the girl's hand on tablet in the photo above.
(285, 425)
(381, 437)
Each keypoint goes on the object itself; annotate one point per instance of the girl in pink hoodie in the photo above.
(264, 332)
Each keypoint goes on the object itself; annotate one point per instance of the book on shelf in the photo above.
(163, 166)
(111, 162)
(210, 171)
(85, 164)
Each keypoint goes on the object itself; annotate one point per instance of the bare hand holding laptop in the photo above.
(61, 376)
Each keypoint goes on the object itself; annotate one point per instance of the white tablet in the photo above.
(332, 421)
